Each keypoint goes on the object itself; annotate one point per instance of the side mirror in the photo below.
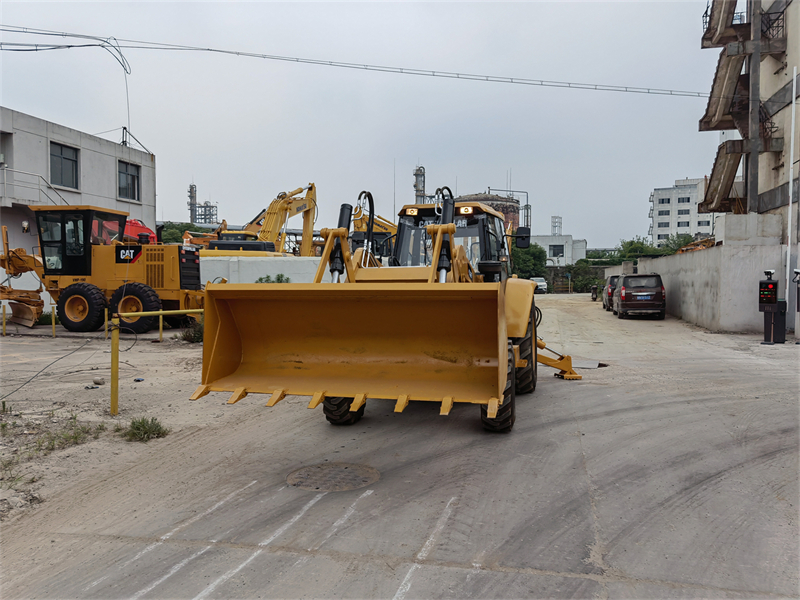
(523, 237)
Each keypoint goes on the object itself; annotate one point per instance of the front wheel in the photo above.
(506, 413)
(81, 307)
(337, 411)
(525, 377)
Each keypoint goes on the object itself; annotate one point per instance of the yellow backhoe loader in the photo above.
(86, 269)
(267, 234)
(463, 330)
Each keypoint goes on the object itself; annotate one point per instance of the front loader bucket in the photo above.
(414, 341)
(24, 314)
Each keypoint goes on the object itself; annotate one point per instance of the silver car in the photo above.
(541, 285)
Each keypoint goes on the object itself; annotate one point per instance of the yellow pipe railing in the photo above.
(115, 344)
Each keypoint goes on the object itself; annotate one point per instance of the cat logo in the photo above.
(128, 254)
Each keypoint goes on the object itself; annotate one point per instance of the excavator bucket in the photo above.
(24, 314)
(416, 341)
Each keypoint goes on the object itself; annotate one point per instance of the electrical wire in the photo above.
(115, 47)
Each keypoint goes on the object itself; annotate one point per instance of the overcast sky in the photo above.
(243, 129)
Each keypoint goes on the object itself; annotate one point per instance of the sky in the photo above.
(244, 129)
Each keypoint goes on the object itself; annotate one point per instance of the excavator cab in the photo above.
(66, 235)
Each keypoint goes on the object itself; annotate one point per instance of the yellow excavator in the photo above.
(266, 234)
(445, 322)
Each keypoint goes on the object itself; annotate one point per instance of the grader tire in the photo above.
(525, 377)
(337, 411)
(81, 307)
(135, 297)
(506, 414)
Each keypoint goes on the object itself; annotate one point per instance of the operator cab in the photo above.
(66, 234)
(479, 229)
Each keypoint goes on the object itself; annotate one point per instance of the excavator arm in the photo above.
(280, 210)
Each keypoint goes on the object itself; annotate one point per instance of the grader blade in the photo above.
(24, 314)
(417, 341)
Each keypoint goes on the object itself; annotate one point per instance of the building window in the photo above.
(128, 181)
(557, 251)
(683, 223)
(663, 213)
(704, 223)
(683, 211)
(662, 224)
(684, 200)
(63, 165)
(663, 200)
(663, 236)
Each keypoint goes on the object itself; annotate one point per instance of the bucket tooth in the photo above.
(402, 402)
(201, 391)
(358, 402)
(494, 404)
(276, 397)
(237, 395)
(447, 405)
(316, 400)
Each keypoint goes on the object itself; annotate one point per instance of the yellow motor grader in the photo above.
(85, 268)
(444, 322)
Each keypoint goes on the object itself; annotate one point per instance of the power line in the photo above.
(115, 46)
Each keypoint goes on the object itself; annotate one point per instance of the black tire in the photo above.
(139, 294)
(81, 307)
(337, 411)
(620, 314)
(506, 413)
(662, 315)
(525, 377)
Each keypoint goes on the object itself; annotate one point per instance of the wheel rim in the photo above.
(130, 304)
(76, 308)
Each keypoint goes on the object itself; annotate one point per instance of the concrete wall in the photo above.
(246, 269)
(717, 288)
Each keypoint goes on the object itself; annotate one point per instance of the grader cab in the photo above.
(463, 330)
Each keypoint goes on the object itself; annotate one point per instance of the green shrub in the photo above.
(143, 429)
(47, 319)
(279, 278)
(194, 332)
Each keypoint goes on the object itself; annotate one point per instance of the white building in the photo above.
(673, 210)
(561, 250)
(43, 163)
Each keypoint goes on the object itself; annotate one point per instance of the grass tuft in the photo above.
(143, 429)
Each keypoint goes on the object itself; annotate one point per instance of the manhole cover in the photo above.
(333, 477)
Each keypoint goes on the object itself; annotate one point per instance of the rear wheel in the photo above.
(506, 413)
(620, 314)
(526, 376)
(662, 314)
(337, 411)
(81, 307)
(136, 297)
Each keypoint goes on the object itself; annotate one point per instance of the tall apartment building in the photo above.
(673, 210)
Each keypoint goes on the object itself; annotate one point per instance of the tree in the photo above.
(528, 262)
(172, 233)
(636, 247)
(675, 242)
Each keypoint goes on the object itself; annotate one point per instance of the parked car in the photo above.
(541, 285)
(608, 291)
(641, 294)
